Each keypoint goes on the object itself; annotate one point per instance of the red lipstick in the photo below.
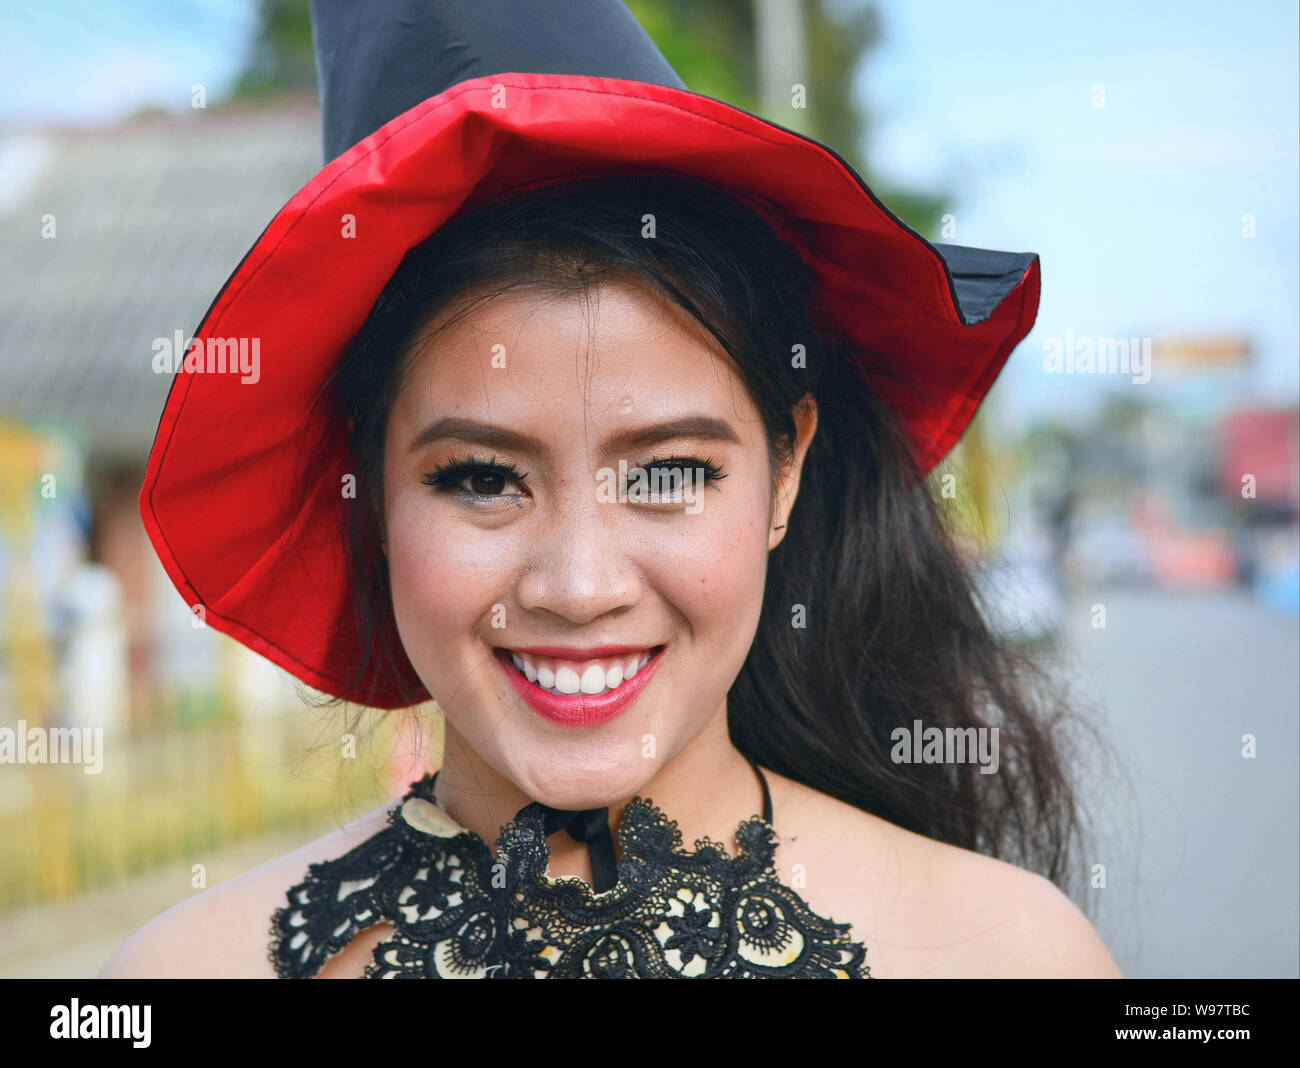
(579, 709)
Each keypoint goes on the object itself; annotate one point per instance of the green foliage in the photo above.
(837, 47)
(282, 58)
(709, 43)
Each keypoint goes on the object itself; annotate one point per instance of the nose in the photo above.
(580, 565)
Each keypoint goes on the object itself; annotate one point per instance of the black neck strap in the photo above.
(591, 825)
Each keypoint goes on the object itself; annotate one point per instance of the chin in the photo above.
(572, 782)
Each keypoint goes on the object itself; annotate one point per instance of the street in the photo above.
(1200, 844)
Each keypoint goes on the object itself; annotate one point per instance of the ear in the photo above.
(787, 487)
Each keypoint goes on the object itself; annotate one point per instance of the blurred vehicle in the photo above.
(1261, 449)
(1269, 555)
(1105, 550)
(1187, 538)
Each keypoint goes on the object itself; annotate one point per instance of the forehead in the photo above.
(534, 357)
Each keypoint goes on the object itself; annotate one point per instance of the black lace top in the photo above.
(458, 911)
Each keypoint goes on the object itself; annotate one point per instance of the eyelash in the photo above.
(448, 477)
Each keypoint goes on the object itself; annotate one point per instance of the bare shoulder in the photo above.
(224, 932)
(924, 908)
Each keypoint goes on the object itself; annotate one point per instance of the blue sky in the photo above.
(95, 61)
(1136, 207)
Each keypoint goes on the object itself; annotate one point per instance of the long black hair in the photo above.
(891, 632)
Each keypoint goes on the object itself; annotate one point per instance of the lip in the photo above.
(565, 652)
(579, 710)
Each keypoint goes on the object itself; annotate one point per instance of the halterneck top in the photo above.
(658, 911)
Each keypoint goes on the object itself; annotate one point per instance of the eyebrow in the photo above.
(458, 428)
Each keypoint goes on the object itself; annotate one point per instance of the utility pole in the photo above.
(781, 60)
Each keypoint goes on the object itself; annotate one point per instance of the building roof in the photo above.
(151, 217)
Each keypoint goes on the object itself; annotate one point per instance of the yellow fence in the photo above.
(182, 792)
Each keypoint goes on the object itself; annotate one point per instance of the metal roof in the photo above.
(151, 217)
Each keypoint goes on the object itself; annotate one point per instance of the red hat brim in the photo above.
(223, 499)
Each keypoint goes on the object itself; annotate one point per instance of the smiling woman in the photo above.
(542, 340)
(725, 659)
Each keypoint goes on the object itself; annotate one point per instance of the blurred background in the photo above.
(1130, 490)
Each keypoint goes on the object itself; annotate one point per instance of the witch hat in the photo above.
(430, 108)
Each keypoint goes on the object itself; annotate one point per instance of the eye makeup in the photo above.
(456, 475)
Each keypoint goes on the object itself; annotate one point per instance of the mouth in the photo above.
(573, 691)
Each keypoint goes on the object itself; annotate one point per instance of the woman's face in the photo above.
(562, 556)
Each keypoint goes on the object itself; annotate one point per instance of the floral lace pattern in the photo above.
(459, 912)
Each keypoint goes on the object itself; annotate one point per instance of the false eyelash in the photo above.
(450, 475)
(712, 473)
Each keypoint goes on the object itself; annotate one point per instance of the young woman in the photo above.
(630, 508)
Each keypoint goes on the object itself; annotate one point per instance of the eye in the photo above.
(476, 479)
(667, 477)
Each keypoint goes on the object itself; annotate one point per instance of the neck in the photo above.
(707, 788)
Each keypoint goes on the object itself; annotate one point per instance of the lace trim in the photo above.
(459, 912)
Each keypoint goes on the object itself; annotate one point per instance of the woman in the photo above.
(629, 508)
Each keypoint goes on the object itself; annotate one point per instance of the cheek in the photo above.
(713, 566)
(443, 580)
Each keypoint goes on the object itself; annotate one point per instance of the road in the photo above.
(1201, 844)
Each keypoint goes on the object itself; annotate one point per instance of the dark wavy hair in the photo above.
(894, 630)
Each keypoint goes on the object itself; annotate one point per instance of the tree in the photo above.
(282, 59)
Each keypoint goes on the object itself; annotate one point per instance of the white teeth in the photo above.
(593, 680)
(525, 668)
(565, 680)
